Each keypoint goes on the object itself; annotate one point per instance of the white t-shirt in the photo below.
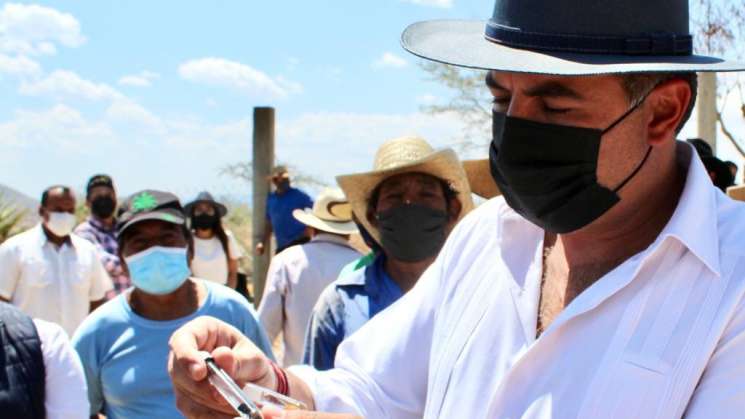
(209, 260)
(50, 283)
(66, 393)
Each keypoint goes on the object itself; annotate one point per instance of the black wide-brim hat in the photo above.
(568, 37)
(206, 197)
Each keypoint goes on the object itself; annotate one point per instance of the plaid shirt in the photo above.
(108, 250)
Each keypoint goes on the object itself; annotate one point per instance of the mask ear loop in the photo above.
(638, 167)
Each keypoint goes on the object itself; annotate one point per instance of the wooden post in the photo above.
(263, 160)
(707, 109)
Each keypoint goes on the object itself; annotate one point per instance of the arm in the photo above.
(271, 310)
(100, 283)
(232, 273)
(66, 391)
(265, 237)
(324, 334)
(10, 271)
(235, 255)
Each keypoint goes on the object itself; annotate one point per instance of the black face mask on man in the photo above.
(412, 232)
(103, 206)
(548, 173)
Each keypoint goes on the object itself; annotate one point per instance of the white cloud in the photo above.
(427, 99)
(231, 74)
(63, 83)
(444, 4)
(29, 29)
(129, 114)
(19, 66)
(389, 60)
(141, 79)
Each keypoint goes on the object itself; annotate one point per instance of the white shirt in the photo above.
(66, 393)
(50, 283)
(660, 336)
(209, 260)
(295, 279)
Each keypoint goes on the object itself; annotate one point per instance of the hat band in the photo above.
(644, 44)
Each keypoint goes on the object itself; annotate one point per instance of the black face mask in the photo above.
(412, 232)
(204, 221)
(103, 206)
(547, 172)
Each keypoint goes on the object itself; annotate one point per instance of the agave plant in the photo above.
(10, 219)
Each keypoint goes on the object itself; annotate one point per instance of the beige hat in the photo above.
(736, 192)
(331, 213)
(405, 155)
(480, 179)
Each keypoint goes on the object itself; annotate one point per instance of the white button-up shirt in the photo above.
(51, 283)
(660, 336)
(296, 278)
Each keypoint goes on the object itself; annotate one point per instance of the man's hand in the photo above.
(259, 249)
(232, 351)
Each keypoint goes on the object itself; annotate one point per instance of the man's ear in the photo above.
(668, 104)
(371, 218)
(122, 262)
(454, 209)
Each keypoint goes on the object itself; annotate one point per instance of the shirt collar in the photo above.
(42, 239)
(694, 222)
(98, 225)
(330, 238)
(367, 277)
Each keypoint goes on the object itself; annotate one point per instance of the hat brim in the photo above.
(222, 210)
(462, 43)
(169, 216)
(736, 192)
(480, 178)
(335, 227)
(443, 164)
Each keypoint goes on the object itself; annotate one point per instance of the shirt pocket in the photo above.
(35, 273)
(80, 274)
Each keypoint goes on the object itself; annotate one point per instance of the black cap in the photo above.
(99, 180)
(150, 205)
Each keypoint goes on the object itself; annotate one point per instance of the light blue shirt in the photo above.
(346, 305)
(125, 356)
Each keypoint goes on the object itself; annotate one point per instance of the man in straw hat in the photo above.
(408, 203)
(297, 276)
(609, 280)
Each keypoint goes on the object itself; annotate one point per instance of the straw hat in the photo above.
(405, 155)
(736, 192)
(480, 178)
(331, 213)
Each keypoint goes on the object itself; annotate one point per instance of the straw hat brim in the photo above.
(443, 164)
(307, 217)
(736, 192)
(480, 178)
(462, 43)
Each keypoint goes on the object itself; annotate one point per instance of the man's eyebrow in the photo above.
(490, 82)
(553, 89)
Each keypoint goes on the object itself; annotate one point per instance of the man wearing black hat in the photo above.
(606, 283)
(124, 344)
(99, 229)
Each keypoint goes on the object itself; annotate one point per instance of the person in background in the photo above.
(216, 252)
(719, 171)
(279, 207)
(41, 374)
(299, 273)
(409, 203)
(124, 344)
(49, 272)
(732, 168)
(99, 229)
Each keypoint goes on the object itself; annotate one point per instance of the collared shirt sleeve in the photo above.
(65, 395)
(381, 371)
(100, 280)
(271, 310)
(325, 331)
(10, 270)
(721, 391)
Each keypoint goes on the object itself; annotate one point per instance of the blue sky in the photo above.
(160, 93)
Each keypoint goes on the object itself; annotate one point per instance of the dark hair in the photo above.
(703, 149)
(220, 232)
(637, 85)
(45, 195)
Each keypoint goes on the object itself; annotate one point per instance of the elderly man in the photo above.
(279, 207)
(50, 273)
(99, 229)
(298, 275)
(123, 345)
(408, 203)
(608, 282)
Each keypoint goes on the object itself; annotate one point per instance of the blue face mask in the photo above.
(158, 270)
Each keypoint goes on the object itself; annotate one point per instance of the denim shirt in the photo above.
(344, 306)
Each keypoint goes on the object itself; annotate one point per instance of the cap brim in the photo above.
(462, 43)
(306, 217)
(163, 215)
